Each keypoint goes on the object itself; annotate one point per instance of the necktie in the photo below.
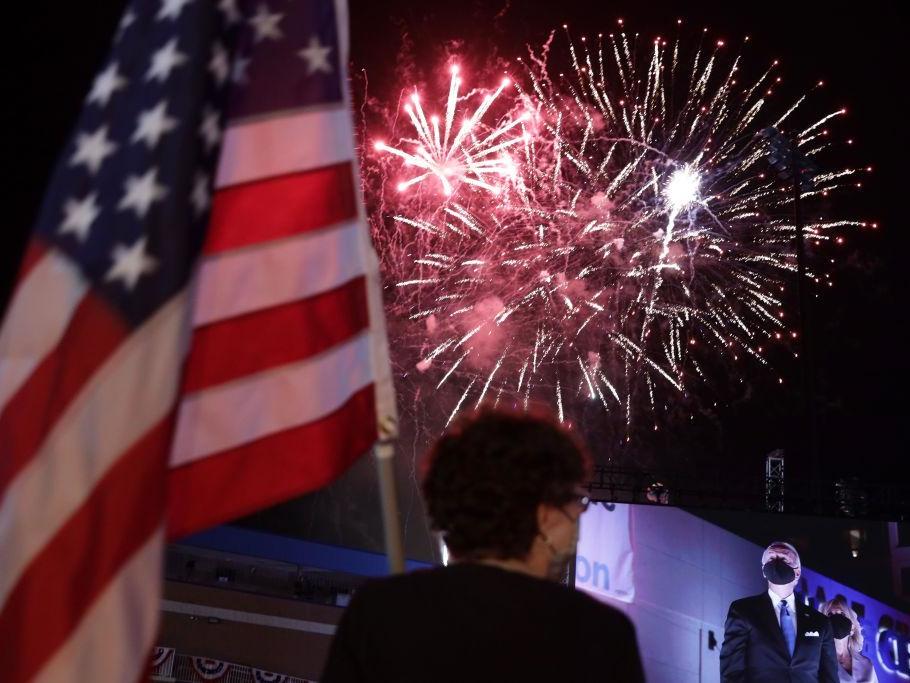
(786, 625)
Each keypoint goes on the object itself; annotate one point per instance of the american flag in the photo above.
(196, 331)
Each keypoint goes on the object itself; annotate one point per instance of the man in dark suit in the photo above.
(773, 637)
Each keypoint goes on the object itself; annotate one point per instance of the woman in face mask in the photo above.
(852, 665)
(506, 491)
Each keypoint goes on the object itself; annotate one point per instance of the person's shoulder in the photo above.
(395, 587)
(596, 610)
(748, 606)
(749, 602)
(817, 618)
(862, 665)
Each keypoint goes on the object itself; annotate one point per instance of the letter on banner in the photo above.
(603, 567)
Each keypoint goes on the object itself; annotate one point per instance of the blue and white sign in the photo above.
(603, 566)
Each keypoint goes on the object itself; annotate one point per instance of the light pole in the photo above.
(794, 166)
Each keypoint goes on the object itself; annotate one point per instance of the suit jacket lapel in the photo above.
(803, 624)
(772, 625)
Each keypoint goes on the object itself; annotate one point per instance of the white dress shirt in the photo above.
(791, 606)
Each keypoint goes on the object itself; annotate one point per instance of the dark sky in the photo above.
(860, 325)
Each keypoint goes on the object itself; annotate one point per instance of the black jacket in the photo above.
(754, 650)
(471, 622)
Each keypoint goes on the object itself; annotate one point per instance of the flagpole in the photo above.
(383, 449)
(384, 452)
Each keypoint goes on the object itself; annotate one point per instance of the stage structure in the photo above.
(774, 481)
(675, 576)
(716, 489)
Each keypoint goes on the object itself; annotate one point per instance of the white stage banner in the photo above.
(603, 566)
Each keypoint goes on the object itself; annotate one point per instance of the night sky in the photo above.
(859, 325)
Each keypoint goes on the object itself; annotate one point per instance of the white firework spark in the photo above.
(626, 238)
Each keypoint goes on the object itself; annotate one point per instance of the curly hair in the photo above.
(485, 477)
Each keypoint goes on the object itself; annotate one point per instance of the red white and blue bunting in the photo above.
(160, 655)
(210, 669)
(167, 662)
(163, 661)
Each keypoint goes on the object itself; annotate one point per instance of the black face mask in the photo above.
(841, 625)
(778, 572)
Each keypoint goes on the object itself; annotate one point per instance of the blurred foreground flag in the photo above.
(197, 328)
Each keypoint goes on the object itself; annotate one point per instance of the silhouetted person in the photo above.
(506, 491)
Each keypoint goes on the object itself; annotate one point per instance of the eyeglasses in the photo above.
(582, 499)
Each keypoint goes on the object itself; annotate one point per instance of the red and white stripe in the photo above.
(287, 372)
(82, 476)
(286, 380)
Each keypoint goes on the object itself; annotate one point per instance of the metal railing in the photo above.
(179, 669)
(846, 497)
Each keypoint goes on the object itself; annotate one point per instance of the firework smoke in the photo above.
(609, 234)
